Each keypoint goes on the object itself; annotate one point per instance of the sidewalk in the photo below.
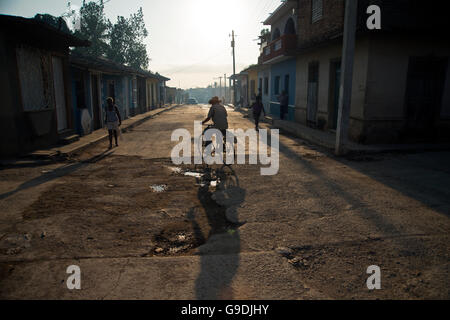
(327, 139)
(97, 136)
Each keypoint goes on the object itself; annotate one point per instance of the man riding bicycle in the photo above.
(219, 116)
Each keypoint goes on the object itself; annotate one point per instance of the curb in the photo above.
(353, 150)
(55, 153)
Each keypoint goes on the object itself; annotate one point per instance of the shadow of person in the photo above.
(219, 256)
(57, 173)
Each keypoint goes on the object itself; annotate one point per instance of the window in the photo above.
(286, 83)
(260, 86)
(266, 86)
(316, 10)
(79, 94)
(32, 79)
(277, 85)
(276, 34)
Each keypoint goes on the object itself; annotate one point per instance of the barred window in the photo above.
(317, 10)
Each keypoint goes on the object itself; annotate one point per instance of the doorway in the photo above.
(425, 84)
(60, 97)
(112, 90)
(313, 89)
(95, 103)
(141, 95)
(335, 85)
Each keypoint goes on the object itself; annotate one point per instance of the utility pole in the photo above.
(225, 85)
(220, 86)
(234, 69)
(345, 91)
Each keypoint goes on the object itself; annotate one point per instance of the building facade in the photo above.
(95, 79)
(278, 55)
(400, 71)
(35, 84)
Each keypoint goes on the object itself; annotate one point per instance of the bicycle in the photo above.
(218, 173)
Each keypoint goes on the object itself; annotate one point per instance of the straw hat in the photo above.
(215, 100)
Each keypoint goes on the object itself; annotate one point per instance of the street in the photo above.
(139, 228)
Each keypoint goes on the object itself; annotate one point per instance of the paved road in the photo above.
(308, 232)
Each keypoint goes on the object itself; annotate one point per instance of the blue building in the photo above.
(283, 79)
(278, 60)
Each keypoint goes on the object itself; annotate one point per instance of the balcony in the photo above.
(279, 47)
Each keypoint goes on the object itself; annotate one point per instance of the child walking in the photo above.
(112, 120)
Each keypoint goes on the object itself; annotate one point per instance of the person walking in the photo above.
(258, 108)
(112, 120)
(284, 103)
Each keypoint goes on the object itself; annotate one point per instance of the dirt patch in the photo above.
(111, 208)
(340, 270)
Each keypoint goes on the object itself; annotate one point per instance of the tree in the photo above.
(265, 35)
(93, 27)
(118, 42)
(127, 41)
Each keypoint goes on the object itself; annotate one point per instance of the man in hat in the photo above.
(219, 116)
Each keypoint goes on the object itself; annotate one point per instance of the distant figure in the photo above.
(112, 120)
(257, 108)
(259, 94)
(241, 102)
(284, 103)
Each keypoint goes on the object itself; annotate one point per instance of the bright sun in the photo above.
(214, 14)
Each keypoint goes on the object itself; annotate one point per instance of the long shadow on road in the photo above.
(55, 174)
(381, 223)
(219, 256)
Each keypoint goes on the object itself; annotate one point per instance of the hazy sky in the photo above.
(189, 40)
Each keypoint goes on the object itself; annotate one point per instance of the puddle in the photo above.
(193, 174)
(158, 188)
(175, 169)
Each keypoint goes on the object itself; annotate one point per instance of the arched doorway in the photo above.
(290, 27)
